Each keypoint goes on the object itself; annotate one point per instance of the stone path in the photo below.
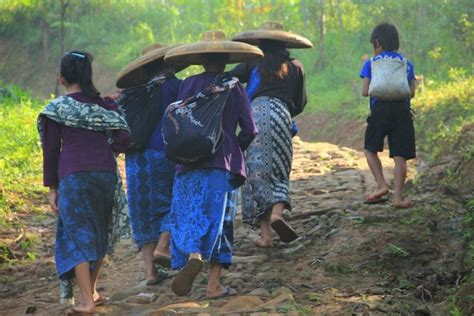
(350, 258)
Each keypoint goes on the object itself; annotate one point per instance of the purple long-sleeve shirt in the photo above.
(237, 112)
(67, 150)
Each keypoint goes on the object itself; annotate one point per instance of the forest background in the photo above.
(437, 35)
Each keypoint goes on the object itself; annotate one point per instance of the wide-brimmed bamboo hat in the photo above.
(135, 73)
(273, 31)
(212, 42)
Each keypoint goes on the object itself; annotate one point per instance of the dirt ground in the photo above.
(350, 258)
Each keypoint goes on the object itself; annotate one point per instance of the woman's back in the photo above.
(71, 149)
(291, 88)
(237, 112)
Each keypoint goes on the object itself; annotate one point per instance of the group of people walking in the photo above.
(181, 214)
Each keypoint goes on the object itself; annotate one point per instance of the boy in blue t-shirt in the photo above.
(388, 118)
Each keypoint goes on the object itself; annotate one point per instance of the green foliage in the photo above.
(20, 155)
(442, 112)
(437, 35)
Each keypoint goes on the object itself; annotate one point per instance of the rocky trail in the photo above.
(350, 258)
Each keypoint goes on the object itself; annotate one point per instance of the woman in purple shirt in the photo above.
(204, 197)
(80, 133)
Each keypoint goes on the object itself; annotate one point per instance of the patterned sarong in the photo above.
(149, 189)
(268, 160)
(85, 206)
(203, 211)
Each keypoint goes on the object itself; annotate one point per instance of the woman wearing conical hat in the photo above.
(276, 87)
(149, 82)
(204, 197)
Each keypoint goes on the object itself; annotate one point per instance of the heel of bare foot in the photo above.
(81, 309)
(378, 194)
(262, 243)
(404, 203)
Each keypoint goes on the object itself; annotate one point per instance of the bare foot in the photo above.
(263, 243)
(405, 203)
(378, 194)
(81, 309)
(99, 299)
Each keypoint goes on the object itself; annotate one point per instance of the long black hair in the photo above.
(274, 64)
(76, 67)
(387, 36)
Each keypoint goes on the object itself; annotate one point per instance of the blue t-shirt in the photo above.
(367, 73)
(169, 94)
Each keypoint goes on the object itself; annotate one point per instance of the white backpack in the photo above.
(389, 79)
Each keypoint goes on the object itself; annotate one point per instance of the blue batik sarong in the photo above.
(150, 177)
(85, 201)
(203, 212)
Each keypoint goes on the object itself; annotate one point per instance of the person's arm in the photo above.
(51, 144)
(365, 87)
(248, 129)
(300, 98)
(411, 79)
(366, 74)
(242, 72)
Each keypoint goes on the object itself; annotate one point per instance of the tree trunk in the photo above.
(45, 40)
(64, 5)
(320, 62)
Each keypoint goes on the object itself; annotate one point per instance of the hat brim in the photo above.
(290, 39)
(135, 73)
(190, 54)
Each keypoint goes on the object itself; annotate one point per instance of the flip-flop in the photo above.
(376, 200)
(163, 261)
(228, 291)
(101, 301)
(401, 206)
(286, 233)
(160, 276)
(183, 281)
(72, 311)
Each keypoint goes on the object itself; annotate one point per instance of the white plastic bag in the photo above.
(389, 79)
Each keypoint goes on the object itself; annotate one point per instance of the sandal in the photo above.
(160, 276)
(162, 261)
(228, 291)
(73, 311)
(286, 233)
(376, 200)
(183, 281)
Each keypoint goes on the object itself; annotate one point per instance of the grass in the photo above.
(20, 156)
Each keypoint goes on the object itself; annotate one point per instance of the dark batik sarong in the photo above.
(203, 212)
(150, 177)
(268, 160)
(85, 201)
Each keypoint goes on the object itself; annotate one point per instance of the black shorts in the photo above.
(392, 119)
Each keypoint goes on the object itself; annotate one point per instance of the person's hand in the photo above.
(53, 200)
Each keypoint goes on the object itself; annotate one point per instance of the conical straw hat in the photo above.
(273, 31)
(135, 74)
(212, 42)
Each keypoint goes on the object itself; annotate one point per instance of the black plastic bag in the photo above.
(141, 108)
(192, 128)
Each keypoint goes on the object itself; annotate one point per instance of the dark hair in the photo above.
(215, 58)
(76, 67)
(274, 64)
(158, 67)
(387, 36)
